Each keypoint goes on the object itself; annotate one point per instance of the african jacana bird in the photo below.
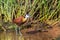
(20, 20)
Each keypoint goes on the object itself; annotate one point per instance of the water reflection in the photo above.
(10, 35)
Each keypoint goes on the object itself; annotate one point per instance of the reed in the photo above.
(47, 9)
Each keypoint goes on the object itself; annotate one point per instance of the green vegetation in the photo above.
(41, 10)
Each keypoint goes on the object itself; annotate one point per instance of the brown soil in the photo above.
(32, 34)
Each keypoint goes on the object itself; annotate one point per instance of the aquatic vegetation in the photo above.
(42, 10)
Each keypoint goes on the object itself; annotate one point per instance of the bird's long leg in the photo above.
(16, 30)
(20, 31)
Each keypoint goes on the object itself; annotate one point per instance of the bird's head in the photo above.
(26, 17)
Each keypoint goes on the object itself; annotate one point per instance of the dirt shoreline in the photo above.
(30, 34)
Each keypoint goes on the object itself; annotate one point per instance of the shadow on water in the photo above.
(10, 35)
(33, 32)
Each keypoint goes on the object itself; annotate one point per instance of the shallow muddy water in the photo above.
(10, 36)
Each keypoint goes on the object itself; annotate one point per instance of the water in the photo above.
(10, 35)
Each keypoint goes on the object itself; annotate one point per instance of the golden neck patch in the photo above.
(24, 19)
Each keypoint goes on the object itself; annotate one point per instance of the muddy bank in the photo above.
(32, 34)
